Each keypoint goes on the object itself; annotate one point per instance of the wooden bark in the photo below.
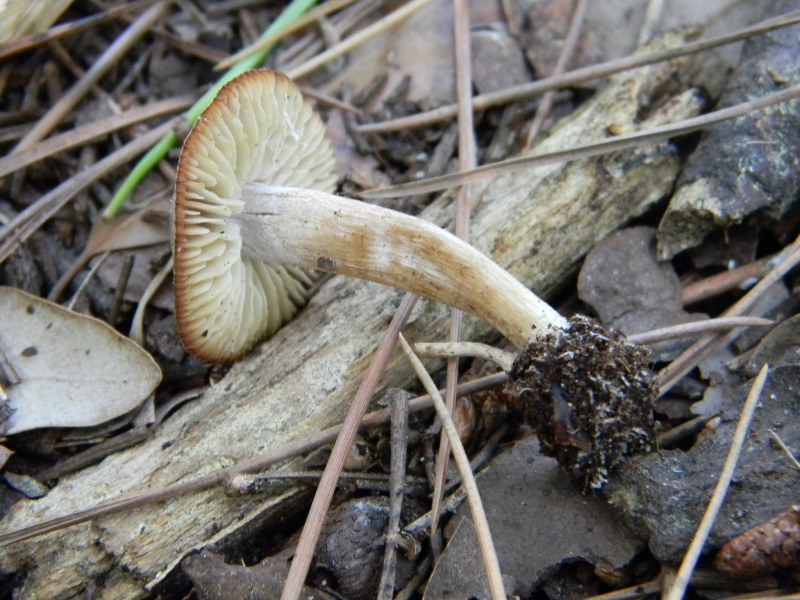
(537, 223)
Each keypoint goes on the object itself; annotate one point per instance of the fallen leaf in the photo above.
(145, 227)
(69, 370)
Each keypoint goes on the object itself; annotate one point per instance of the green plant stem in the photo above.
(149, 161)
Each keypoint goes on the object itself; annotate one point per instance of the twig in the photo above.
(493, 573)
(119, 291)
(421, 574)
(623, 142)
(652, 16)
(270, 40)
(110, 58)
(285, 452)
(29, 220)
(785, 448)
(567, 52)
(499, 357)
(79, 136)
(681, 581)
(327, 485)
(722, 282)
(467, 156)
(696, 328)
(505, 359)
(86, 280)
(396, 490)
(137, 325)
(688, 359)
(579, 76)
(35, 40)
(357, 39)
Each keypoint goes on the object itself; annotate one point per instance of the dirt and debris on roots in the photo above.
(589, 394)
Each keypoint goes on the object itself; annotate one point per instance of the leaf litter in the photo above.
(563, 577)
(64, 369)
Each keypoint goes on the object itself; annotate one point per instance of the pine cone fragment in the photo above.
(589, 394)
(764, 549)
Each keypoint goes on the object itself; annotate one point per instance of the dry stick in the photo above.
(422, 524)
(678, 586)
(71, 304)
(277, 455)
(332, 30)
(623, 142)
(501, 358)
(119, 291)
(655, 336)
(784, 447)
(34, 40)
(79, 136)
(61, 53)
(723, 282)
(396, 490)
(137, 325)
(567, 52)
(505, 359)
(467, 157)
(688, 359)
(259, 45)
(29, 220)
(110, 58)
(485, 543)
(579, 76)
(327, 485)
(354, 40)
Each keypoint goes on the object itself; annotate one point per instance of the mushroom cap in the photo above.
(259, 129)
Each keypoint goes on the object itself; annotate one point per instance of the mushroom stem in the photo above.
(313, 229)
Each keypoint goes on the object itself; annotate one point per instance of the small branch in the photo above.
(35, 40)
(29, 220)
(697, 328)
(567, 52)
(623, 142)
(88, 133)
(723, 282)
(494, 576)
(785, 448)
(110, 58)
(268, 41)
(579, 76)
(467, 157)
(499, 357)
(678, 587)
(357, 39)
(396, 490)
(679, 367)
(137, 325)
(279, 454)
(327, 485)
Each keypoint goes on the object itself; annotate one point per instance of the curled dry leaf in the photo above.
(66, 369)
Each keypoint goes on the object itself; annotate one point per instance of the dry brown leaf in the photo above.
(67, 369)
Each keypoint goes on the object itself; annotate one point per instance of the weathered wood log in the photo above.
(536, 223)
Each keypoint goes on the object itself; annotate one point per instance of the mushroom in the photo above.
(255, 217)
